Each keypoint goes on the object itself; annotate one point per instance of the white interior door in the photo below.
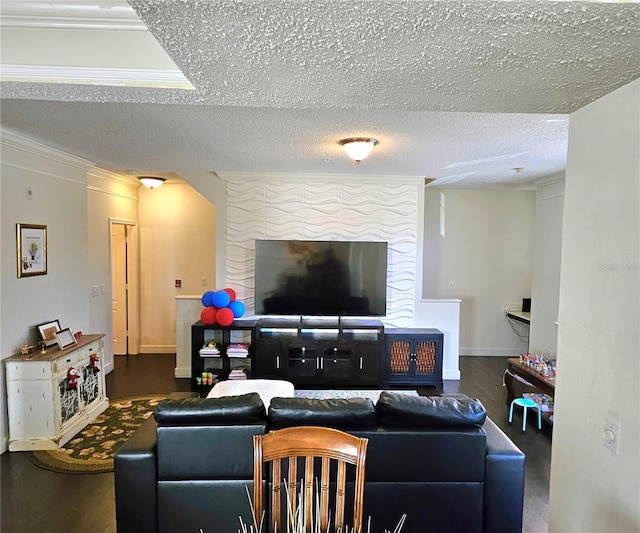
(119, 288)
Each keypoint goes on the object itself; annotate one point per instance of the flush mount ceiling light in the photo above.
(358, 148)
(152, 182)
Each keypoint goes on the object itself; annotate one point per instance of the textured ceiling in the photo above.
(518, 57)
(461, 91)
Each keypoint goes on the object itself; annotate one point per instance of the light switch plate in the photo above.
(611, 435)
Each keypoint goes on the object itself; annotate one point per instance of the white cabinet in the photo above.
(45, 408)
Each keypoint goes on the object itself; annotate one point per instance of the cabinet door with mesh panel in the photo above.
(413, 357)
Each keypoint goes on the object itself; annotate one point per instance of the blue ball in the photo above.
(237, 307)
(207, 298)
(221, 299)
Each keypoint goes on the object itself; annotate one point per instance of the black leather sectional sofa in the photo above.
(440, 460)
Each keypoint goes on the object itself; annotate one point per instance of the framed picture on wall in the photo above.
(48, 331)
(31, 243)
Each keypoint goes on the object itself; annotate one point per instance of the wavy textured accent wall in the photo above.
(317, 210)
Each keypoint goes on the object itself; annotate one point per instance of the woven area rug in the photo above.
(91, 451)
(371, 394)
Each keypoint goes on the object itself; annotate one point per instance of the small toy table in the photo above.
(544, 383)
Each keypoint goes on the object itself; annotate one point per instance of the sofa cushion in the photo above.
(352, 413)
(243, 409)
(396, 409)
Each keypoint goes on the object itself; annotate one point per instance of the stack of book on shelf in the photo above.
(239, 372)
(238, 349)
(210, 349)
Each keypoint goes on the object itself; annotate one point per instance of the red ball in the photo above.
(224, 316)
(208, 315)
(231, 293)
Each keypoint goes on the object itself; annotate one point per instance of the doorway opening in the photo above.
(124, 287)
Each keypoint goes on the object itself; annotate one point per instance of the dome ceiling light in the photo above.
(152, 182)
(358, 148)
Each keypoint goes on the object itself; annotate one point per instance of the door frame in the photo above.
(133, 282)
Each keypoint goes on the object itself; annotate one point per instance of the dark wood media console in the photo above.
(413, 356)
(319, 351)
(325, 351)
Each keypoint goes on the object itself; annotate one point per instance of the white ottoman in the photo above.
(266, 388)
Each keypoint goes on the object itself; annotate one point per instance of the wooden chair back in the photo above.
(336, 449)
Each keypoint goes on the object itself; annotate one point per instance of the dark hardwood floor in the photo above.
(36, 500)
(481, 377)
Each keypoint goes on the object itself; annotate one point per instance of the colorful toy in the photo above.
(237, 307)
(207, 298)
(221, 307)
(224, 316)
(72, 378)
(93, 363)
(543, 365)
(208, 315)
(221, 299)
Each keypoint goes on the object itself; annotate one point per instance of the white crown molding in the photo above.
(113, 177)
(103, 174)
(77, 24)
(112, 193)
(329, 178)
(78, 14)
(169, 79)
(550, 180)
(10, 138)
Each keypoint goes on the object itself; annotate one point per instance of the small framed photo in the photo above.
(48, 331)
(65, 338)
(31, 244)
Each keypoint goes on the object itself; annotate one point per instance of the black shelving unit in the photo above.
(223, 336)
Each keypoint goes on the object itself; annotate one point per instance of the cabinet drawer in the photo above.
(336, 367)
(303, 367)
(22, 370)
(95, 348)
(62, 364)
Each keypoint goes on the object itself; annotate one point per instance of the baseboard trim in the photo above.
(182, 372)
(453, 375)
(158, 348)
(497, 352)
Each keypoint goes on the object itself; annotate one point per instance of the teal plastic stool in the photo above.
(525, 403)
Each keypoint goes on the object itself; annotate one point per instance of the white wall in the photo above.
(487, 250)
(593, 489)
(209, 185)
(58, 182)
(443, 314)
(545, 287)
(177, 241)
(327, 207)
(109, 196)
(77, 201)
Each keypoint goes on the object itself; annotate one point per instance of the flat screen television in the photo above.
(327, 278)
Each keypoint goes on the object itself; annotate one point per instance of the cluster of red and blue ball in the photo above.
(221, 307)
